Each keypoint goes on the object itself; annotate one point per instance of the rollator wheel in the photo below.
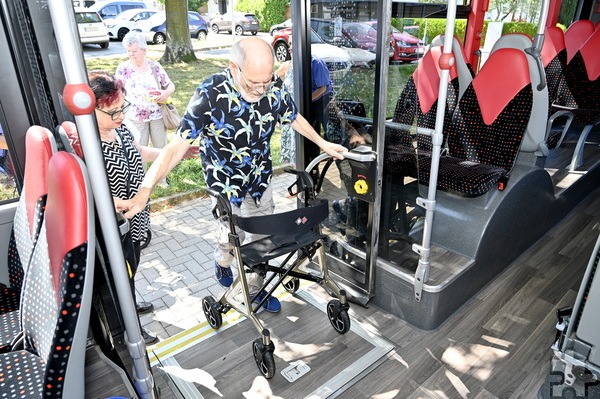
(292, 285)
(264, 358)
(211, 310)
(338, 316)
(146, 240)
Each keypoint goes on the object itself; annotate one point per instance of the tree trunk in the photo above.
(179, 45)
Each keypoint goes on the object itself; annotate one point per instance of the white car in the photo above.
(91, 27)
(120, 25)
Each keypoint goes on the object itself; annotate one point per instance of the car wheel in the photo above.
(121, 34)
(201, 35)
(159, 38)
(273, 31)
(104, 45)
(254, 33)
(215, 28)
(282, 52)
(239, 30)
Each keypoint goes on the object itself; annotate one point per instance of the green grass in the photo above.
(188, 176)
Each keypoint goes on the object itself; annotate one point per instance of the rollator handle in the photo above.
(222, 208)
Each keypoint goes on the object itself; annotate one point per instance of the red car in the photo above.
(404, 46)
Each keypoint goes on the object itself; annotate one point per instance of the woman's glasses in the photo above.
(116, 113)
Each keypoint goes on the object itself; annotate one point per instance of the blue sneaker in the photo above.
(272, 304)
(224, 275)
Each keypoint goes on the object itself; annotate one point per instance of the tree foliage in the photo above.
(269, 12)
(179, 45)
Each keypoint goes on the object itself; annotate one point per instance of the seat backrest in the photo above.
(581, 74)
(535, 135)
(418, 101)
(464, 70)
(57, 291)
(554, 59)
(576, 35)
(488, 125)
(39, 148)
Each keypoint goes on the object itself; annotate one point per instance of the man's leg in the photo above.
(223, 250)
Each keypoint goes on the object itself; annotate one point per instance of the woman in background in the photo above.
(147, 85)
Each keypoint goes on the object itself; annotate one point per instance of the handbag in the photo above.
(170, 115)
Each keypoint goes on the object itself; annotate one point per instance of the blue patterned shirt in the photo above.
(235, 135)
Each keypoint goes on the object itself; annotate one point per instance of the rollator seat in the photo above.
(272, 247)
(289, 231)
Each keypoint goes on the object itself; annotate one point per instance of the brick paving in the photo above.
(176, 269)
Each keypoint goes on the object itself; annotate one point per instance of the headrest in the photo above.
(39, 147)
(554, 43)
(513, 40)
(576, 35)
(591, 57)
(427, 79)
(502, 77)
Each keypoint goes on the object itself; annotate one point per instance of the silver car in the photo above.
(240, 21)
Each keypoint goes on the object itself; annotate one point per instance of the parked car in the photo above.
(110, 9)
(406, 46)
(338, 61)
(91, 27)
(277, 27)
(155, 27)
(243, 22)
(359, 56)
(122, 23)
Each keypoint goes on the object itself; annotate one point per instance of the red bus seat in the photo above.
(57, 292)
(487, 129)
(39, 147)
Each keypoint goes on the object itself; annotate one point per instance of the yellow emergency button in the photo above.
(361, 186)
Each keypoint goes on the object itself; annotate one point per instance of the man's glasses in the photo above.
(255, 86)
(116, 113)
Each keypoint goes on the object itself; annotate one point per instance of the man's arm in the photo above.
(302, 126)
(318, 93)
(167, 159)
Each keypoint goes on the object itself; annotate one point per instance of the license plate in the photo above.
(91, 29)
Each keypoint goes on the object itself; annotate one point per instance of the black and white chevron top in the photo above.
(125, 174)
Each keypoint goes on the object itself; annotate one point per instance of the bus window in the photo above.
(8, 186)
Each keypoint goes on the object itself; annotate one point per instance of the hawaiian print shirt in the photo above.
(235, 135)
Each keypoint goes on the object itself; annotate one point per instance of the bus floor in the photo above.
(496, 346)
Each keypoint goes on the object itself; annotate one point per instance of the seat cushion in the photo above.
(21, 375)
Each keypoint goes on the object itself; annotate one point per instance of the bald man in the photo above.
(233, 114)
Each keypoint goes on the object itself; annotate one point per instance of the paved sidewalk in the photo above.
(177, 268)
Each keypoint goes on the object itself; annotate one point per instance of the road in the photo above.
(216, 45)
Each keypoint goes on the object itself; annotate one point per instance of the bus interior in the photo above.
(460, 234)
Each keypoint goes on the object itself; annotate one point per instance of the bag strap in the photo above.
(152, 64)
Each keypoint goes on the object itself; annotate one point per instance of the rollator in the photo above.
(295, 235)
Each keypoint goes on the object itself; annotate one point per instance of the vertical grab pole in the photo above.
(429, 203)
(81, 102)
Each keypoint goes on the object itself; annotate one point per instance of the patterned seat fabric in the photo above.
(488, 126)
(56, 297)
(554, 59)
(418, 105)
(39, 147)
(580, 88)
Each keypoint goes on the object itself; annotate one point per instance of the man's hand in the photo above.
(333, 149)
